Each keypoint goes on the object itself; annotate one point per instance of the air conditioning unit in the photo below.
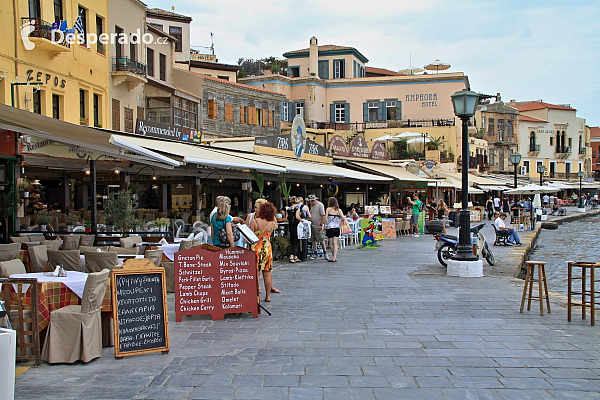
(523, 170)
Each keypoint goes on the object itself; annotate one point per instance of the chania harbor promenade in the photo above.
(310, 226)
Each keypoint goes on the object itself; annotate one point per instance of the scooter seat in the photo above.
(450, 237)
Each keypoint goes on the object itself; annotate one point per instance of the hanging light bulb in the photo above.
(220, 180)
(154, 177)
(86, 171)
(116, 170)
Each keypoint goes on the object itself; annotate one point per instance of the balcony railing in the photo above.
(534, 147)
(43, 29)
(564, 149)
(362, 126)
(124, 64)
(583, 150)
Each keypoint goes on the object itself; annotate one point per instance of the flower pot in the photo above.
(69, 228)
(88, 230)
(43, 228)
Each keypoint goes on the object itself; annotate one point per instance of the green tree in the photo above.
(119, 211)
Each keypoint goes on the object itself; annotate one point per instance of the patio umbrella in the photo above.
(407, 135)
(537, 201)
(427, 139)
(532, 189)
(385, 138)
(437, 66)
(410, 70)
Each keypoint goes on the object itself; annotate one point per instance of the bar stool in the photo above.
(585, 291)
(542, 285)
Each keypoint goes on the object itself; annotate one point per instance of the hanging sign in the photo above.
(337, 145)
(359, 148)
(284, 142)
(298, 136)
(379, 152)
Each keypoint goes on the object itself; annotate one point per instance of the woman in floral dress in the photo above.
(263, 224)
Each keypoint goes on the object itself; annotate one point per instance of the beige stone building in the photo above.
(177, 26)
(497, 123)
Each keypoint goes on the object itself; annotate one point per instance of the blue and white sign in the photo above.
(298, 136)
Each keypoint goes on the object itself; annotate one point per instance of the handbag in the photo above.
(223, 234)
(345, 227)
(303, 230)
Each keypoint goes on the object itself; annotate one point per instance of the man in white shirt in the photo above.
(497, 203)
(501, 226)
(546, 200)
(317, 219)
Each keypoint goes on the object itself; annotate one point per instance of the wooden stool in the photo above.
(542, 285)
(585, 292)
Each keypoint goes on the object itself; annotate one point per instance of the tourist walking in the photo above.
(489, 206)
(497, 204)
(263, 224)
(332, 227)
(302, 215)
(318, 219)
(414, 217)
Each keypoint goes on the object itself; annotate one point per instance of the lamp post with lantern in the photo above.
(515, 159)
(465, 103)
(541, 169)
(580, 175)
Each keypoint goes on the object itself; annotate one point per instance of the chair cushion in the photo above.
(11, 267)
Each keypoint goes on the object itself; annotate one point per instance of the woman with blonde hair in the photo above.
(222, 220)
(332, 226)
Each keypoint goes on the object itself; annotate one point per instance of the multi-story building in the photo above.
(595, 144)
(127, 20)
(553, 136)
(328, 85)
(497, 123)
(67, 81)
(176, 25)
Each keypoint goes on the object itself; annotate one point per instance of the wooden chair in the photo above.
(23, 314)
(75, 332)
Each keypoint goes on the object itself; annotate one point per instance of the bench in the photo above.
(501, 237)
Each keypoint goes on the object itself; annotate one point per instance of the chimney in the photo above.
(313, 57)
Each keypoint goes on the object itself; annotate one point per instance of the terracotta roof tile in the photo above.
(530, 119)
(594, 131)
(157, 12)
(381, 71)
(212, 78)
(539, 105)
(325, 47)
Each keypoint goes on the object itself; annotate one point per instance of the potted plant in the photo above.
(24, 188)
(42, 218)
(119, 210)
(71, 221)
(8, 207)
(281, 246)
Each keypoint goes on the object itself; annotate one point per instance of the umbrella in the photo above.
(437, 66)
(532, 189)
(410, 70)
(537, 202)
(385, 138)
(427, 139)
(406, 135)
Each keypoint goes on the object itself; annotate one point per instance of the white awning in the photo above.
(487, 188)
(199, 154)
(395, 172)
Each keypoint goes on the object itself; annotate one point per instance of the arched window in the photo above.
(532, 141)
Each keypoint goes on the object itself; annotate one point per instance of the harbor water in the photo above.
(572, 241)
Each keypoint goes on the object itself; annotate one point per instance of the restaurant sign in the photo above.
(378, 152)
(338, 146)
(409, 184)
(284, 142)
(359, 148)
(165, 131)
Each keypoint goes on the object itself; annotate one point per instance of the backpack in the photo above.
(292, 214)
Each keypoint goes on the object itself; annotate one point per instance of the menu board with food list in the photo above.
(215, 281)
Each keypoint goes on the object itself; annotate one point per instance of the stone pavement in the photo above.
(379, 324)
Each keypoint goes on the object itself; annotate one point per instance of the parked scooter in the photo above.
(447, 245)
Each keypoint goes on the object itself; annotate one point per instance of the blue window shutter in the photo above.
(399, 114)
(347, 113)
(291, 111)
(366, 112)
(381, 111)
(281, 111)
(332, 113)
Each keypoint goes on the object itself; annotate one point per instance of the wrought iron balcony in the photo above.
(565, 150)
(534, 148)
(124, 64)
(583, 150)
(43, 30)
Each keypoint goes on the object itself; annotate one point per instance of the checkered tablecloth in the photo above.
(55, 295)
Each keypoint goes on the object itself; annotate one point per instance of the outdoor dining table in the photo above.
(55, 292)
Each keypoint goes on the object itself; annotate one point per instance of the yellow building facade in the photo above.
(73, 78)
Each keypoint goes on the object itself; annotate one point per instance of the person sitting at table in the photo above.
(501, 226)
(352, 213)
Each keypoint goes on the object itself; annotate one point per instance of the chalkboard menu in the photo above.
(139, 310)
(214, 281)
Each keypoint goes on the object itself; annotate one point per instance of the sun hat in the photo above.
(311, 197)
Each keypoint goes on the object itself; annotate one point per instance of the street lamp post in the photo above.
(515, 159)
(541, 169)
(464, 103)
(580, 175)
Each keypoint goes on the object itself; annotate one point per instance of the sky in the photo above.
(525, 50)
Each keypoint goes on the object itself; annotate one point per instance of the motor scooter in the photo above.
(447, 245)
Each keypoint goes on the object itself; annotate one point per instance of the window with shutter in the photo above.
(116, 115)
(373, 110)
(284, 111)
(212, 109)
(228, 110)
(128, 114)
(324, 69)
(340, 112)
(339, 69)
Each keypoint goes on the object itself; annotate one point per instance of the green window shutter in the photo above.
(281, 113)
(354, 68)
(381, 111)
(347, 113)
(332, 113)
(399, 112)
(324, 69)
(366, 112)
(343, 69)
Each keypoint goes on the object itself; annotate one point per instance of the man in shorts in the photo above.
(317, 219)
(414, 218)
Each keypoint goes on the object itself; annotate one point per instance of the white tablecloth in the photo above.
(74, 280)
(169, 250)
